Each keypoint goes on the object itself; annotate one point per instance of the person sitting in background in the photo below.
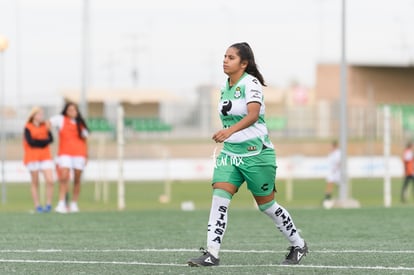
(37, 156)
(408, 160)
(334, 173)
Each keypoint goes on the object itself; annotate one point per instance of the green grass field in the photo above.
(145, 196)
(154, 238)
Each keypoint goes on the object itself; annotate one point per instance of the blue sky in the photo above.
(178, 45)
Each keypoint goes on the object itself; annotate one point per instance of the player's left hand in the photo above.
(222, 135)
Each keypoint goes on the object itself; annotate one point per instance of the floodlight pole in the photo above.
(3, 132)
(83, 104)
(3, 47)
(343, 189)
(120, 143)
(387, 154)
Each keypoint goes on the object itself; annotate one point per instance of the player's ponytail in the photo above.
(81, 124)
(246, 54)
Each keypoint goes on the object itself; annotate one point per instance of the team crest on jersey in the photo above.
(237, 93)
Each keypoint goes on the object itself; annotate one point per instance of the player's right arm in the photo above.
(56, 121)
(37, 143)
(253, 110)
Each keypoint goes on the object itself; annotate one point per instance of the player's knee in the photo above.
(228, 187)
(263, 207)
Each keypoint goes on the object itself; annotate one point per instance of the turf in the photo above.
(155, 238)
(145, 195)
(360, 241)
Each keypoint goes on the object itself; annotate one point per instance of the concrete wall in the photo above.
(143, 110)
(367, 85)
(382, 84)
(95, 109)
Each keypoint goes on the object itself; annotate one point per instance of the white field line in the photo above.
(397, 268)
(87, 262)
(173, 250)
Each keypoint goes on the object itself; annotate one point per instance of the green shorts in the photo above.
(259, 171)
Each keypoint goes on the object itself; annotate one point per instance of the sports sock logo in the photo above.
(287, 222)
(220, 224)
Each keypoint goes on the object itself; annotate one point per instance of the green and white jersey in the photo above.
(233, 108)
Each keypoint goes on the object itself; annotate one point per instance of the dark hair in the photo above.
(246, 54)
(79, 119)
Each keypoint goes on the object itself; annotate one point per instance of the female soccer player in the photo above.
(247, 155)
(37, 156)
(408, 161)
(72, 153)
(334, 174)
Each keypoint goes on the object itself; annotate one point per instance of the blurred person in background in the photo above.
(72, 154)
(248, 156)
(37, 156)
(408, 161)
(334, 174)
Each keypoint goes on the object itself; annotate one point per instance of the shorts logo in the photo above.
(265, 187)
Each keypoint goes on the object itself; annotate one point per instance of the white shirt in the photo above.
(334, 166)
(334, 161)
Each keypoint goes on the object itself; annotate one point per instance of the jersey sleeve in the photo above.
(37, 143)
(254, 91)
(56, 121)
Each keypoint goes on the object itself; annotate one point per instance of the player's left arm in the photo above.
(85, 133)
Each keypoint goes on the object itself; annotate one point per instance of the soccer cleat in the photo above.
(61, 208)
(47, 208)
(74, 207)
(204, 260)
(39, 209)
(295, 254)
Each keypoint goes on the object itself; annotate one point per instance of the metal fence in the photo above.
(319, 121)
(181, 120)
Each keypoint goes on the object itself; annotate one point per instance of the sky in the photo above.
(179, 45)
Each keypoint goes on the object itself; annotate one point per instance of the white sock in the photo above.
(62, 203)
(284, 223)
(217, 224)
